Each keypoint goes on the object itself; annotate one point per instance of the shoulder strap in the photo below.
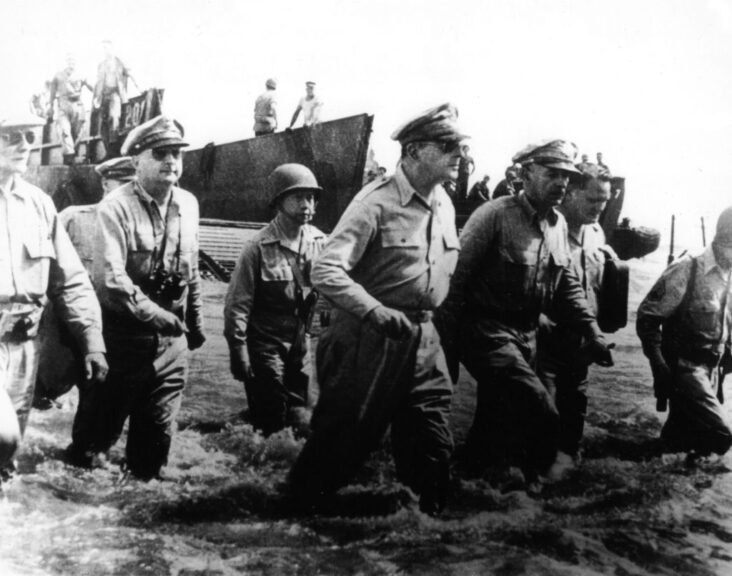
(690, 285)
(296, 271)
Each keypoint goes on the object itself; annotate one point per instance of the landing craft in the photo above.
(229, 179)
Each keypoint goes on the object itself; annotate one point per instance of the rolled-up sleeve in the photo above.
(342, 252)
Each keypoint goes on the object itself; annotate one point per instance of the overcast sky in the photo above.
(647, 82)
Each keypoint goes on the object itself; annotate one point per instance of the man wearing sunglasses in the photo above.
(37, 263)
(514, 262)
(385, 268)
(145, 271)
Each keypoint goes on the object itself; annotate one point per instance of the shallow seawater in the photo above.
(627, 509)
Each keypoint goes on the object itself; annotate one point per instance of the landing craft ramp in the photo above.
(230, 180)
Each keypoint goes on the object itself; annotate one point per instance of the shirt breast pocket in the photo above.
(400, 238)
(141, 252)
(450, 240)
(275, 267)
(39, 252)
(519, 273)
(706, 314)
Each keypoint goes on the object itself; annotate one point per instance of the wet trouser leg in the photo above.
(566, 379)
(130, 358)
(152, 416)
(363, 378)
(280, 383)
(696, 420)
(420, 429)
(516, 421)
(63, 126)
(111, 112)
(18, 366)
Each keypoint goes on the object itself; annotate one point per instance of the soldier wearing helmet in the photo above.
(269, 301)
(684, 324)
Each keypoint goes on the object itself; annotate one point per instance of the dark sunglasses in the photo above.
(161, 153)
(450, 147)
(16, 137)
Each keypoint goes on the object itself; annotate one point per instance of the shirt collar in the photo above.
(531, 213)
(150, 200)
(16, 188)
(710, 262)
(406, 190)
(275, 234)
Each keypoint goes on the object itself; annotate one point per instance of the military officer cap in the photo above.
(309, 83)
(19, 121)
(723, 235)
(160, 132)
(436, 124)
(558, 154)
(121, 169)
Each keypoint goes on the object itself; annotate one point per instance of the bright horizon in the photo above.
(647, 82)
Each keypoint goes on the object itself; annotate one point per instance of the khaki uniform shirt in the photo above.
(263, 287)
(265, 112)
(80, 222)
(514, 265)
(588, 253)
(112, 75)
(391, 247)
(127, 248)
(38, 262)
(702, 322)
(67, 87)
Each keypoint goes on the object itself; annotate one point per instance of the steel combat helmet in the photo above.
(723, 235)
(287, 178)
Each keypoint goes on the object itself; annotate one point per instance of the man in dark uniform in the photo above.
(146, 275)
(37, 263)
(684, 324)
(559, 360)
(480, 192)
(267, 305)
(385, 268)
(510, 185)
(514, 262)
